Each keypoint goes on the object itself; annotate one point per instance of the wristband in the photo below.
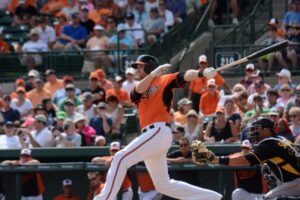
(224, 160)
(200, 74)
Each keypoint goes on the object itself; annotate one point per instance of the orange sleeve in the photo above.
(219, 79)
(191, 86)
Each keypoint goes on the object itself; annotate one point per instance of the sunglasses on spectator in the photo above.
(69, 104)
(183, 145)
(101, 108)
(69, 89)
(293, 116)
(174, 132)
(285, 90)
(192, 116)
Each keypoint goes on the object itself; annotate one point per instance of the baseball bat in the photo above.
(257, 54)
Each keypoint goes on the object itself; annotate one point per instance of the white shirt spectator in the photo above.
(88, 113)
(128, 86)
(149, 5)
(31, 46)
(194, 135)
(263, 96)
(136, 35)
(10, 142)
(25, 107)
(168, 19)
(42, 137)
(75, 139)
(47, 35)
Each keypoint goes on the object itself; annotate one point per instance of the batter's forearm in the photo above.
(192, 74)
(143, 85)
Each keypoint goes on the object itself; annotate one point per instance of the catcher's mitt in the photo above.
(200, 154)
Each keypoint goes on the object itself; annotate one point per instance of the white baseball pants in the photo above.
(241, 194)
(291, 188)
(151, 195)
(151, 147)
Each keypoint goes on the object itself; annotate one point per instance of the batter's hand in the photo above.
(161, 70)
(209, 72)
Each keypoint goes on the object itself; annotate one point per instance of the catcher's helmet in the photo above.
(148, 61)
(262, 122)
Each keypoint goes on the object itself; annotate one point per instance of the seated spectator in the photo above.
(115, 111)
(292, 52)
(257, 77)
(258, 109)
(60, 117)
(32, 186)
(231, 114)
(284, 77)
(220, 130)
(260, 90)
(53, 6)
(121, 94)
(69, 108)
(31, 49)
(178, 8)
(50, 110)
(294, 115)
(95, 185)
(19, 83)
(69, 138)
(104, 82)
(295, 102)
(73, 37)
(85, 21)
(129, 83)
(10, 140)
(272, 96)
(209, 100)
(9, 113)
(285, 93)
(166, 14)
(40, 136)
(68, 192)
(100, 140)
(86, 132)
(99, 93)
(62, 21)
(23, 12)
(178, 133)
(53, 83)
(149, 4)
(247, 80)
(154, 26)
(193, 127)
(137, 35)
(241, 101)
(70, 9)
(70, 95)
(282, 128)
(101, 123)
(99, 44)
(115, 9)
(111, 28)
(31, 76)
(292, 15)
(4, 47)
(46, 32)
(183, 154)
(21, 103)
(87, 108)
(39, 93)
(140, 14)
(106, 160)
(184, 105)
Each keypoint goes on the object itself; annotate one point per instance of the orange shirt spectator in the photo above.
(4, 47)
(14, 4)
(53, 6)
(199, 85)
(53, 83)
(209, 100)
(180, 118)
(95, 15)
(37, 94)
(18, 83)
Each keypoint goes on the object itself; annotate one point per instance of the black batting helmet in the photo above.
(148, 61)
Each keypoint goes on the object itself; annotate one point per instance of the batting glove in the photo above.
(160, 70)
(209, 72)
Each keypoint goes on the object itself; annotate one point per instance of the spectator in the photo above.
(111, 26)
(70, 9)
(99, 44)
(295, 102)
(10, 140)
(8, 113)
(154, 26)
(69, 138)
(221, 129)
(39, 93)
(40, 136)
(32, 184)
(101, 123)
(21, 103)
(106, 160)
(247, 80)
(99, 94)
(19, 83)
(23, 12)
(95, 185)
(121, 94)
(272, 101)
(178, 133)
(69, 108)
(85, 21)
(149, 4)
(258, 109)
(293, 15)
(129, 83)
(282, 129)
(105, 84)
(4, 7)
(50, 110)
(53, 6)
(285, 93)
(46, 32)
(183, 155)
(32, 75)
(293, 35)
(140, 14)
(166, 15)
(129, 6)
(284, 77)
(73, 37)
(242, 103)
(61, 22)
(260, 90)
(60, 117)
(231, 114)
(115, 9)
(274, 115)
(257, 77)
(193, 127)
(115, 112)
(184, 105)
(68, 192)
(70, 91)
(86, 132)
(53, 83)
(100, 140)
(294, 115)
(89, 4)
(88, 109)
(31, 48)
(275, 23)
(178, 8)
(4, 47)
(137, 35)
(209, 100)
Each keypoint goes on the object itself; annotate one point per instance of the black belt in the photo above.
(152, 126)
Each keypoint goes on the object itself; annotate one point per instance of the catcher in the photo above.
(279, 158)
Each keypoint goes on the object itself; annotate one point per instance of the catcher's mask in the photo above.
(257, 126)
(149, 62)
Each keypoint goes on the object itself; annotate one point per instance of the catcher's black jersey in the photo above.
(279, 153)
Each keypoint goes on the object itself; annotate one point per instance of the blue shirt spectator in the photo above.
(177, 7)
(77, 33)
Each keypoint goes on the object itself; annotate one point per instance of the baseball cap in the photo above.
(50, 71)
(141, 1)
(273, 21)
(101, 105)
(118, 78)
(40, 118)
(94, 75)
(9, 123)
(6, 97)
(68, 78)
(26, 152)
(33, 32)
(192, 113)
(284, 73)
(211, 82)
(84, 8)
(121, 27)
(130, 15)
(130, 70)
(61, 115)
(202, 59)
(220, 110)
(67, 182)
(38, 80)
(184, 101)
(154, 9)
(78, 118)
(100, 137)
(70, 86)
(250, 66)
(285, 86)
(115, 146)
(264, 123)
(274, 111)
(20, 81)
(98, 28)
(86, 96)
(33, 73)
(60, 14)
(28, 122)
(100, 73)
(246, 144)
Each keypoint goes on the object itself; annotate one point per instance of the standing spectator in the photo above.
(23, 13)
(178, 8)
(285, 93)
(69, 138)
(166, 15)
(21, 103)
(39, 93)
(8, 113)
(4, 47)
(137, 35)
(293, 15)
(284, 77)
(121, 94)
(247, 80)
(68, 192)
(101, 123)
(140, 14)
(32, 184)
(221, 129)
(294, 115)
(86, 132)
(115, 111)
(183, 155)
(87, 108)
(70, 91)
(10, 140)
(129, 83)
(70, 9)
(85, 21)
(95, 185)
(193, 127)
(53, 83)
(46, 32)
(209, 100)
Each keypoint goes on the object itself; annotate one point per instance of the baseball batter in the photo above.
(154, 96)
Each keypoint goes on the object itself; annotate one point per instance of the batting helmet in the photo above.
(148, 61)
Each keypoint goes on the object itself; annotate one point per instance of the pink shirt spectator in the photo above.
(88, 132)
